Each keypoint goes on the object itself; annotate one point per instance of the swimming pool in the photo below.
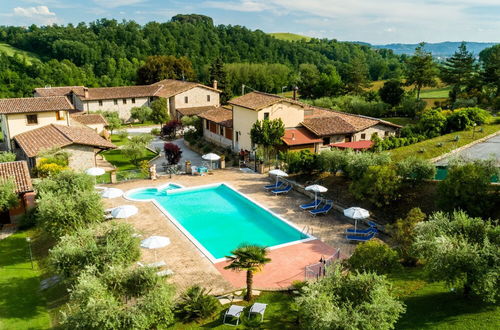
(218, 219)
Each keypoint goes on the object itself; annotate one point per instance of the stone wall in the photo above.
(82, 157)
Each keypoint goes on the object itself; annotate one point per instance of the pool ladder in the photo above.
(307, 230)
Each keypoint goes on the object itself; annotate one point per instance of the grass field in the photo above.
(403, 121)
(435, 93)
(10, 51)
(118, 159)
(289, 36)
(431, 148)
(434, 306)
(22, 305)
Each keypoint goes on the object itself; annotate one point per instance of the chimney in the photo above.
(293, 136)
(295, 89)
(215, 84)
(85, 92)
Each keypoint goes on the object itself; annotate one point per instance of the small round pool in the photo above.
(149, 193)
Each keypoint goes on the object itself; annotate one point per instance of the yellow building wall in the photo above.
(243, 120)
(379, 129)
(17, 123)
(197, 97)
(291, 114)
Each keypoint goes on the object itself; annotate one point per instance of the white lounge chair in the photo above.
(194, 170)
(157, 264)
(258, 308)
(165, 272)
(235, 312)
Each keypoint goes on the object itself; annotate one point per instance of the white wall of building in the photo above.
(122, 108)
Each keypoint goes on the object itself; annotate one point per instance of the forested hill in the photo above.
(440, 49)
(108, 53)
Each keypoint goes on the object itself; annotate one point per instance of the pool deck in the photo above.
(191, 267)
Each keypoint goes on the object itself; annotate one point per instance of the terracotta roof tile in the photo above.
(219, 115)
(90, 119)
(35, 104)
(50, 136)
(59, 91)
(19, 172)
(171, 87)
(259, 100)
(107, 93)
(326, 126)
(299, 136)
(195, 111)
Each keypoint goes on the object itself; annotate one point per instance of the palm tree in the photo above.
(250, 258)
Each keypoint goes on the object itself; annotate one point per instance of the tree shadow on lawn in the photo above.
(15, 251)
(20, 298)
(431, 310)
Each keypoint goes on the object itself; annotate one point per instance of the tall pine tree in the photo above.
(217, 72)
(460, 70)
(421, 70)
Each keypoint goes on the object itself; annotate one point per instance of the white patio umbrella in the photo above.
(211, 157)
(124, 211)
(95, 171)
(112, 193)
(317, 189)
(155, 242)
(356, 213)
(278, 173)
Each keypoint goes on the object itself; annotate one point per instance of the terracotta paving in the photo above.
(287, 265)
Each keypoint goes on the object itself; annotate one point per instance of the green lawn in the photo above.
(22, 305)
(403, 121)
(289, 36)
(431, 148)
(279, 314)
(10, 51)
(434, 306)
(435, 93)
(117, 158)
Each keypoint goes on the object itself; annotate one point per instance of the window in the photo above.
(266, 115)
(124, 101)
(151, 99)
(237, 136)
(100, 103)
(363, 136)
(208, 98)
(32, 119)
(207, 125)
(386, 133)
(59, 116)
(115, 101)
(326, 141)
(186, 100)
(133, 100)
(221, 130)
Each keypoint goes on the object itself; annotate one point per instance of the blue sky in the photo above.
(374, 21)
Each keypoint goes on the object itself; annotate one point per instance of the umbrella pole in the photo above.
(355, 224)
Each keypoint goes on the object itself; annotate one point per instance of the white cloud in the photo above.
(117, 3)
(243, 5)
(39, 14)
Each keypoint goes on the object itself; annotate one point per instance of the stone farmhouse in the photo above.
(183, 97)
(306, 127)
(19, 173)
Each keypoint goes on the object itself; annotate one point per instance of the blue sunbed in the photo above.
(361, 231)
(283, 190)
(274, 186)
(313, 204)
(372, 224)
(360, 238)
(324, 210)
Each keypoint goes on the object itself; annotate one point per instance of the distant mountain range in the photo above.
(440, 49)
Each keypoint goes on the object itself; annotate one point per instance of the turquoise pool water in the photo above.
(221, 219)
(151, 193)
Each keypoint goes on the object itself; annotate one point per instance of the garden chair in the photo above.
(361, 238)
(258, 308)
(283, 190)
(274, 186)
(165, 272)
(361, 231)
(314, 204)
(234, 311)
(323, 210)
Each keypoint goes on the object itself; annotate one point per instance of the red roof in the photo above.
(299, 136)
(365, 144)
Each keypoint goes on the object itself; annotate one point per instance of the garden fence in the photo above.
(320, 269)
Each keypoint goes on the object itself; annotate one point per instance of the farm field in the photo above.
(289, 36)
(435, 93)
(11, 51)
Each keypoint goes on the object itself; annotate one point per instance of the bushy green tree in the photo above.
(267, 134)
(462, 251)
(159, 114)
(421, 71)
(159, 67)
(374, 256)
(135, 148)
(468, 187)
(379, 184)
(334, 160)
(460, 70)
(359, 162)
(65, 183)
(98, 246)
(303, 161)
(416, 169)
(59, 214)
(7, 157)
(391, 92)
(432, 123)
(141, 114)
(490, 58)
(403, 235)
(113, 120)
(346, 300)
(8, 196)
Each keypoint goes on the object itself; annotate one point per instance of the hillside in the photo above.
(11, 51)
(289, 36)
(441, 49)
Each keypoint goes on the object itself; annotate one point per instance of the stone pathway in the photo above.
(187, 154)
(7, 230)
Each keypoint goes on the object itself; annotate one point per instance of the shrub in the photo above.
(100, 246)
(134, 152)
(159, 111)
(141, 114)
(461, 119)
(411, 107)
(155, 131)
(123, 135)
(173, 153)
(379, 184)
(196, 304)
(206, 149)
(303, 161)
(170, 129)
(358, 163)
(65, 183)
(403, 235)
(416, 169)
(374, 256)
(333, 160)
(8, 196)
(7, 157)
(59, 214)
(144, 166)
(344, 300)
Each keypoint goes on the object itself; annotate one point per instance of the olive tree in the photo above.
(346, 300)
(374, 256)
(462, 251)
(379, 184)
(8, 196)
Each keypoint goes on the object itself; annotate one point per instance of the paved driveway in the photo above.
(484, 150)
(187, 154)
